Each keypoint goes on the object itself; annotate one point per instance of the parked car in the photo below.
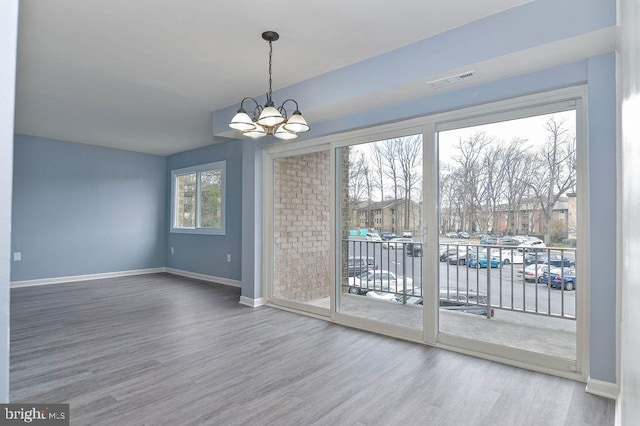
(531, 243)
(396, 243)
(464, 235)
(489, 240)
(386, 236)
(560, 261)
(479, 260)
(534, 256)
(372, 236)
(560, 277)
(451, 300)
(509, 256)
(532, 272)
(463, 301)
(523, 238)
(446, 252)
(384, 281)
(459, 257)
(508, 241)
(451, 235)
(358, 265)
(556, 260)
(414, 249)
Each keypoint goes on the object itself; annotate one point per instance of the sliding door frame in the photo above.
(273, 153)
(522, 107)
(428, 126)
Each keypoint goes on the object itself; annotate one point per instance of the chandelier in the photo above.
(267, 119)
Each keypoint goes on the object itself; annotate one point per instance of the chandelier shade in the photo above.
(241, 121)
(296, 123)
(270, 117)
(267, 119)
(255, 133)
(283, 133)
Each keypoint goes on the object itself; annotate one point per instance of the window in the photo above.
(198, 199)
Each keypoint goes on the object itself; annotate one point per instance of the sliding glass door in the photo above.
(509, 206)
(380, 226)
(462, 230)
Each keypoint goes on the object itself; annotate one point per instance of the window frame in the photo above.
(198, 170)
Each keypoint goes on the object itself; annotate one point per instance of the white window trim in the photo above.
(217, 165)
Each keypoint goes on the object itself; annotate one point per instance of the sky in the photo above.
(530, 128)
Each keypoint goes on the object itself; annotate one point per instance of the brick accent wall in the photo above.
(301, 227)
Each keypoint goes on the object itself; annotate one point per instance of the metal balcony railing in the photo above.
(472, 277)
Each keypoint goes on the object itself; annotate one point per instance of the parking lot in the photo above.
(506, 290)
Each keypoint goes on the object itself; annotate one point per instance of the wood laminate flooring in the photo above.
(165, 350)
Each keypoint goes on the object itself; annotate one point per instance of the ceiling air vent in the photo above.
(436, 84)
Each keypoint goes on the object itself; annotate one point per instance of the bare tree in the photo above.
(377, 165)
(469, 163)
(389, 150)
(417, 213)
(556, 170)
(366, 176)
(519, 173)
(448, 194)
(357, 184)
(451, 203)
(409, 158)
(492, 182)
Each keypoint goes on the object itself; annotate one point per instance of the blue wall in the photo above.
(207, 254)
(80, 209)
(602, 220)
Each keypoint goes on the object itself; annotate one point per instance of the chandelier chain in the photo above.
(270, 53)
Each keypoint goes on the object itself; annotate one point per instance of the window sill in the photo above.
(198, 231)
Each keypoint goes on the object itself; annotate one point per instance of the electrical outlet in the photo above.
(172, 250)
(228, 257)
(17, 256)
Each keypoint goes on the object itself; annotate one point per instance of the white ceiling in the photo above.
(145, 75)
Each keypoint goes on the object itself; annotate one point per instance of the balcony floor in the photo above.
(531, 332)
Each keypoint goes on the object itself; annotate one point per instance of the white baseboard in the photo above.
(75, 278)
(204, 277)
(88, 277)
(602, 388)
(253, 303)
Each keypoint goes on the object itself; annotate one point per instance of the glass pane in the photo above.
(185, 201)
(508, 216)
(211, 199)
(381, 231)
